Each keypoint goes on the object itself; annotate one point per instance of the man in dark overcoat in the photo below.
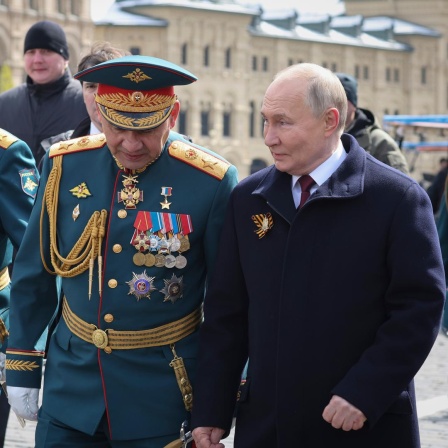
(336, 302)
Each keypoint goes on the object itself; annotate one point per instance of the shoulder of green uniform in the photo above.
(199, 158)
(77, 145)
(6, 139)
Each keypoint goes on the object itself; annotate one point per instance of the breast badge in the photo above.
(141, 286)
(173, 289)
(75, 212)
(130, 195)
(264, 222)
(81, 191)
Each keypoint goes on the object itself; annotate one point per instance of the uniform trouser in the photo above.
(51, 433)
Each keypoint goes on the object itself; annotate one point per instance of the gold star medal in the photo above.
(166, 191)
(264, 222)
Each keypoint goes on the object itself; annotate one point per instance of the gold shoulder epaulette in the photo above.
(199, 159)
(6, 139)
(77, 145)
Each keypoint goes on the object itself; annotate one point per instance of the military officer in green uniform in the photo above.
(129, 220)
(19, 180)
(18, 186)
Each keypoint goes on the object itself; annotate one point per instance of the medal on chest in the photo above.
(130, 195)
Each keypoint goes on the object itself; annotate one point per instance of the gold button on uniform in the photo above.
(112, 283)
(122, 213)
(108, 350)
(108, 317)
(117, 248)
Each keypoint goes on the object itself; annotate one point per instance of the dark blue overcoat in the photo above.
(342, 297)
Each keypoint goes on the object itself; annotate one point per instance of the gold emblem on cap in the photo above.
(137, 76)
(137, 97)
(136, 101)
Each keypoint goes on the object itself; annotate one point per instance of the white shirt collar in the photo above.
(325, 169)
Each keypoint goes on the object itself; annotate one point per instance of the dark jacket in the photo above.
(341, 297)
(34, 112)
(376, 141)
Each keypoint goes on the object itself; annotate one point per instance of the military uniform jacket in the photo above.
(342, 297)
(18, 187)
(136, 387)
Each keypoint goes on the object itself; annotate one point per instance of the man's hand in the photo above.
(341, 414)
(24, 401)
(2, 367)
(208, 437)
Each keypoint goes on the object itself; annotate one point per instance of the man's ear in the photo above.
(331, 120)
(174, 114)
(100, 117)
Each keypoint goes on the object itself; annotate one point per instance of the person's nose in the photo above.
(132, 141)
(38, 56)
(270, 136)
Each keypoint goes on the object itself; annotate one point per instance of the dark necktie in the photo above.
(306, 182)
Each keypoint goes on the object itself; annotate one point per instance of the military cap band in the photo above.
(135, 121)
(134, 100)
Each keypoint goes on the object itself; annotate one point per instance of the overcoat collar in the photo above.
(346, 182)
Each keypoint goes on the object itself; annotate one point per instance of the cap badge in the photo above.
(137, 97)
(264, 222)
(137, 75)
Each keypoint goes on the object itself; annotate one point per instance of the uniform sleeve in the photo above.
(18, 185)
(34, 298)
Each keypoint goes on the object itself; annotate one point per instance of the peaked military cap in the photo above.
(136, 92)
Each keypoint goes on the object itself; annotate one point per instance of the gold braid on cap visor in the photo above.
(147, 111)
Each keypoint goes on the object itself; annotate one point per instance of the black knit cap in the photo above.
(350, 86)
(47, 35)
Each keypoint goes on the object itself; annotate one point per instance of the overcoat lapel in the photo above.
(275, 188)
